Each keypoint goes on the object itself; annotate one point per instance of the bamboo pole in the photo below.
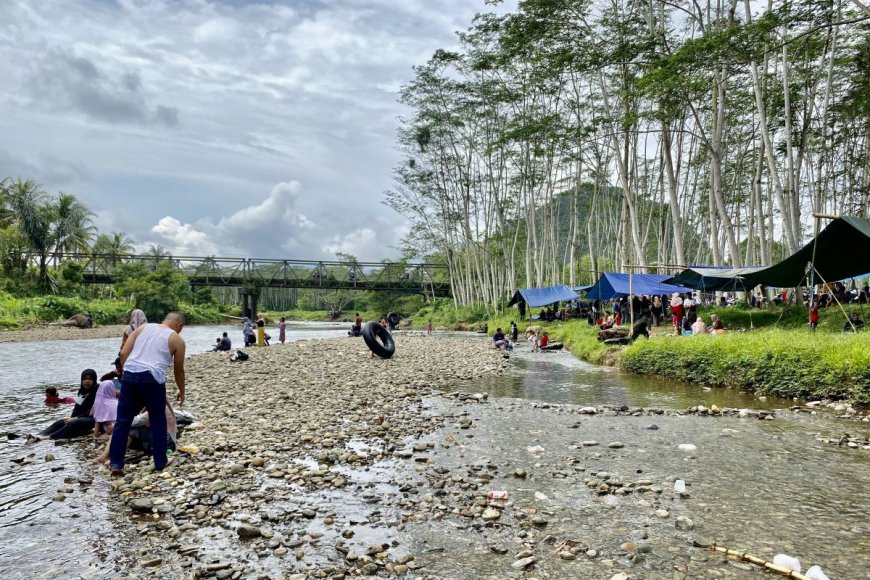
(788, 572)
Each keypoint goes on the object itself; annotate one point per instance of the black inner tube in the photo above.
(378, 339)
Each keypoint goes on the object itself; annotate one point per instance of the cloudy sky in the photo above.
(230, 128)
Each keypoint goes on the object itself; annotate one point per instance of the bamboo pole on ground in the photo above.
(788, 572)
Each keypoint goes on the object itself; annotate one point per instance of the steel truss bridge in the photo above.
(253, 273)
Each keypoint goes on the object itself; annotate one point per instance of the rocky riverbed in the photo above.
(314, 459)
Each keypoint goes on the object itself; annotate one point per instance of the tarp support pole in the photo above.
(843, 310)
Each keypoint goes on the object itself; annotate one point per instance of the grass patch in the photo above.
(782, 362)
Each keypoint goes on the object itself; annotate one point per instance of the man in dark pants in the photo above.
(145, 357)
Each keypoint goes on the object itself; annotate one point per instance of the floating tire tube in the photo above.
(553, 346)
(393, 318)
(378, 339)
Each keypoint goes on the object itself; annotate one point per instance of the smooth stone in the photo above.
(151, 562)
(246, 531)
(491, 514)
(687, 447)
(524, 563)
(142, 505)
(684, 523)
(616, 445)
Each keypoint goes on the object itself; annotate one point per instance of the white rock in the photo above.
(687, 447)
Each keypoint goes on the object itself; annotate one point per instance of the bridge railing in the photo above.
(314, 274)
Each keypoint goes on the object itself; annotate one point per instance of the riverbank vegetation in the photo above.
(564, 139)
(786, 363)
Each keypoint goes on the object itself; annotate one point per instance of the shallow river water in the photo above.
(763, 486)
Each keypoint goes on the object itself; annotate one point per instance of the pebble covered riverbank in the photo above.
(314, 459)
(59, 332)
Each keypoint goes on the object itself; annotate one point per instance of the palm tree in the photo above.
(116, 244)
(6, 214)
(33, 212)
(157, 251)
(72, 224)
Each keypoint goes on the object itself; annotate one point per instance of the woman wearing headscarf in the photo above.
(80, 421)
(105, 409)
(676, 311)
(137, 319)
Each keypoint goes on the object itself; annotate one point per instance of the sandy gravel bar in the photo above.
(43, 333)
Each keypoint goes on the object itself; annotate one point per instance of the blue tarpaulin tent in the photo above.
(616, 285)
(535, 297)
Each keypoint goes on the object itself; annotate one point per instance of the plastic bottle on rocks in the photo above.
(815, 573)
(497, 496)
(787, 561)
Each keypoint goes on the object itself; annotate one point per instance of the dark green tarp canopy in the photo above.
(842, 250)
(712, 279)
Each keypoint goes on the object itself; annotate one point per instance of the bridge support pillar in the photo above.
(249, 304)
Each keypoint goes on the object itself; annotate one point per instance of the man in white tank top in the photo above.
(145, 358)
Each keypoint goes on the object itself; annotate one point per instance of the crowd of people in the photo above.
(127, 406)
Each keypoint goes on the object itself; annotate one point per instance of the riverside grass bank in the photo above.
(778, 356)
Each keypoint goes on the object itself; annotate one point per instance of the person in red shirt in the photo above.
(814, 316)
(545, 340)
(52, 398)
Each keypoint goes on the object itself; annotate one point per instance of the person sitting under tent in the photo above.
(716, 325)
(699, 327)
(854, 324)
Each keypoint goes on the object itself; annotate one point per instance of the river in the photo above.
(767, 485)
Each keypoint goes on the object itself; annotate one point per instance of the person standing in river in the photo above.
(282, 330)
(146, 356)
